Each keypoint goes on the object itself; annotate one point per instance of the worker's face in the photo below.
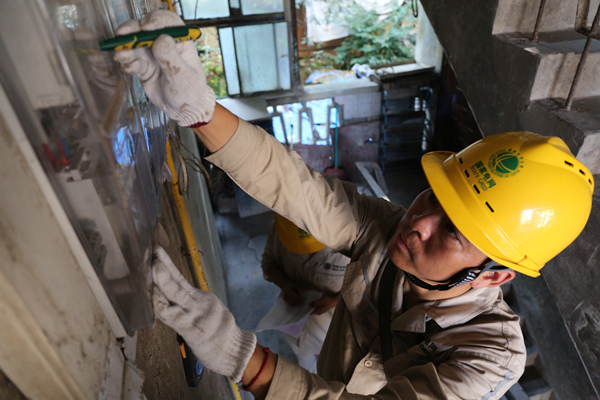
(428, 245)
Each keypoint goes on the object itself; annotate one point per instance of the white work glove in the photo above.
(201, 319)
(171, 73)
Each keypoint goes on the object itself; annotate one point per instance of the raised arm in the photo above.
(174, 80)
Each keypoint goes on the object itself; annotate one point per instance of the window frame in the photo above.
(237, 19)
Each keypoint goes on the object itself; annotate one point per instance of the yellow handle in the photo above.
(185, 222)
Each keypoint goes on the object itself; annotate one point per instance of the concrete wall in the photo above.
(480, 64)
(428, 50)
(521, 15)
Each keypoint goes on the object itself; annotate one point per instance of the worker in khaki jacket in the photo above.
(296, 262)
(420, 314)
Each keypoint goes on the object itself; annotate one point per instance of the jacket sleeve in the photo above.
(278, 178)
(292, 382)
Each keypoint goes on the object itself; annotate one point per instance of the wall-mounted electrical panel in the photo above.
(101, 142)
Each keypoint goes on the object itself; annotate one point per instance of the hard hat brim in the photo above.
(289, 236)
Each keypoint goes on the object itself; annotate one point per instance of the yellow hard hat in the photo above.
(519, 197)
(295, 239)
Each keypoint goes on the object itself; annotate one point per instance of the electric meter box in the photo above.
(101, 143)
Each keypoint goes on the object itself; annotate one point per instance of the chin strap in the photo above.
(465, 276)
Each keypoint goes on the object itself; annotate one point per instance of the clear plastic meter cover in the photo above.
(100, 141)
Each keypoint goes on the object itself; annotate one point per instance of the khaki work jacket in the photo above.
(467, 347)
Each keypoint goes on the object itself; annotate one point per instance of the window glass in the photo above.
(261, 6)
(229, 61)
(313, 130)
(257, 58)
(193, 9)
(254, 56)
(283, 55)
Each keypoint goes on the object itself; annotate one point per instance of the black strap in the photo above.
(384, 298)
(462, 277)
(465, 276)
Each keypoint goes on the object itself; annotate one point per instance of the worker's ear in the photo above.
(493, 278)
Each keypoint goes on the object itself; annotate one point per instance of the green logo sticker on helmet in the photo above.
(505, 163)
(482, 175)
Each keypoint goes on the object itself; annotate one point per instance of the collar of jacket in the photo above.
(448, 312)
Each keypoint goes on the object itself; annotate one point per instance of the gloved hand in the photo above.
(171, 74)
(201, 319)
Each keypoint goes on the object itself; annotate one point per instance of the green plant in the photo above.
(212, 62)
(375, 39)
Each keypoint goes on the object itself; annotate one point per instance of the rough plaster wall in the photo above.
(360, 106)
(579, 128)
(558, 56)
(590, 151)
(520, 15)
(67, 342)
(428, 49)
(541, 117)
(573, 280)
(557, 68)
(316, 156)
(545, 327)
(500, 75)
(358, 142)
(480, 63)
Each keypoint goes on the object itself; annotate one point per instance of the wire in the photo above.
(185, 222)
